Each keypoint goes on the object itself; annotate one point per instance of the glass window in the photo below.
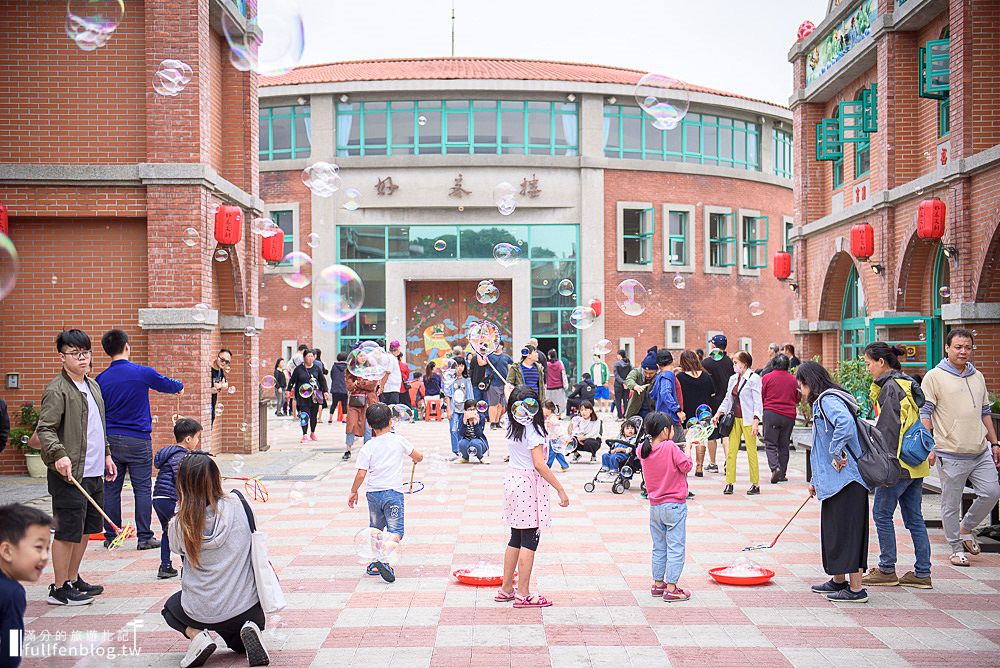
(556, 241)
(611, 145)
(484, 123)
(782, 142)
(372, 275)
(402, 121)
(755, 233)
(478, 242)
(285, 221)
(721, 240)
(637, 236)
(544, 323)
(677, 225)
(429, 128)
(362, 243)
(632, 137)
(424, 237)
(284, 133)
(545, 279)
(398, 242)
(512, 126)
(789, 246)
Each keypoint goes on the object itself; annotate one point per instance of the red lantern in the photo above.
(272, 247)
(930, 219)
(4, 227)
(228, 225)
(782, 265)
(862, 241)
(805, 29)
(596, 305)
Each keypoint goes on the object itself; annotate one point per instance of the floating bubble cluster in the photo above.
(632, 297)
(171, 76)
(90, 23)
(582, 317)
(664, 99)
(322, 178)
(484, 337)
(487, 292)
(300, 269)
(506, 254)
(339, 293)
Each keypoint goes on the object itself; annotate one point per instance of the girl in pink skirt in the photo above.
(526, 500)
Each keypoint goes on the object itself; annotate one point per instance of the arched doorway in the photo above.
(853, 315)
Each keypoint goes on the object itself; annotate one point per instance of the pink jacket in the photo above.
(665, 473)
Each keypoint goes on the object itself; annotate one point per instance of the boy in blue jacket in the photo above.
(187, 433)
(664, 391)
(470, 433)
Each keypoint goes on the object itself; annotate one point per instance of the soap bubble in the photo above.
(484, 337)
(339, 293)
(602, 347)
(448, 377)
(306, 390)
(264, 227)
(944, 291)
(565, 287)
(440, 245)
(8, 265)
(303, 418)
(487, 293)
(268, 382)
(171, 76)
(401, 414)
(717, 354)
(191, 237)
(249, 330)
(531, 405)
(506, 254)
(312, 240)
(507, 206)
(664, 99)
(231, 389)
(922, 336)
(200, 312)
(219, 408)
(243, 426)
(756, 308)
(504, 197)
(322, 178)
(301, 269)
(582, 317)
(372, 544)
(154, 419)
(369, 362)
(632, 297)
(520, 413)
(482, 406)
(90, 23)
(221, 255)
(679, 282)
(352, 195)
(283, 42)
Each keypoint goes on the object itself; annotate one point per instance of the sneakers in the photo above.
(728, 489)
(565, 468)
(201, 647)
(876, 578)
(910, 579)
(346, 456)
(829, 586)
(699, 474)
(712, 468)
(166, 572)
(313, 436)
(150, 544)
(305, 439)
(845, 595)
(754, 489)
(67, 594)
(253, 641)
(87, 588)
(677, 594)
(775, 476)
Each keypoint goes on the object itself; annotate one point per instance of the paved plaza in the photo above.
(593, 563)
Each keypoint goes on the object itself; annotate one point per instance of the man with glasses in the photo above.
(71, 431)
(220, 365)
(126, 387)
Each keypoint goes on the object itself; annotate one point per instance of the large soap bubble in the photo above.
(283, 41)
(506, 254)
(8, 265)
(339, 293)
(632, 297)
(301, 269)
(602, 347)
(487, 292)
(90, 23)
(504, 196)
(322, 178)
(369, 362)
(372, 544)
(171, 76)
(484, 337)
(664, 99)
(582, 317)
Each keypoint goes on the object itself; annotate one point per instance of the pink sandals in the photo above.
(531, 601)
(503, 597)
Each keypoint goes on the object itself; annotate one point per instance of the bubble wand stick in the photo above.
(763, 546)
(413, 472)
(123, 533)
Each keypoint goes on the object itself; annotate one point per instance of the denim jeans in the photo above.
(367, 437)
(612, 461)
(164, 511)
(667, 526)
(479, 444)
(455, 428)
(557, 457)
(907, 494)
(385, 511)
(133, 456)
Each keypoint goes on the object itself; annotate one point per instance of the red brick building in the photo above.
(896, 103)
(603, 196)
(101, 177)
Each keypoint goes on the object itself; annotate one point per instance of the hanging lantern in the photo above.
(805, 29)
(228, 225)
(862, 241)
(4, 227)
(930, 219)
(782, 265)
(596, 305)
(272, 248)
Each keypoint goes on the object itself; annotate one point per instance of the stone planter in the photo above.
(36, 468)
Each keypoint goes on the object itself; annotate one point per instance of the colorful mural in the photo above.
(835, 44)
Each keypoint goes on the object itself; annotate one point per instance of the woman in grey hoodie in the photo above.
(211, 532)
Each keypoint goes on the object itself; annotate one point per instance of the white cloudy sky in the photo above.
(735, 45)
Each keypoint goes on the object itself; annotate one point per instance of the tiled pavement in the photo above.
(593, 563)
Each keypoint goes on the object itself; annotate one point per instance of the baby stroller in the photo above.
(627, 471)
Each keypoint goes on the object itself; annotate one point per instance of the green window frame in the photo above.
(858, 118)
(643, 239)
(722, 240)
(862, 159)
(828, 143)
(457, 127)
(838, 173)
(296, 118)
(754, 244)
(782, 143)
(853, 328)
(869, 105)
(699, 138)
(677, 245)
(789, 246)
(286, 221)
(935, 69)
(944, 117)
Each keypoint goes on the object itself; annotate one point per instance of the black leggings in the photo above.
(229, 629)
(526, 538)
(337, 398)
(591, 445)
(313, 409)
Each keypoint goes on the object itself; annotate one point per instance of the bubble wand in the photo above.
(123, 534)
(764, 546)
(413, 472)
(253, 486)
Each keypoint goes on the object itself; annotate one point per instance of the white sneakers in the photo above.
(202, 646)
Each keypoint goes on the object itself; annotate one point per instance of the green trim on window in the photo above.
(869, 103)
(782, 143)
(944, 116)
(678, 239)
(754, 243)
(298, 144)
(645, 237)
(838, 173)
(286, 221)
(853, 313)
(934, 60)
(851, 118)
(722, 248)
(862, 159)
(479, 127)
(828, 142)
(699, 138)
(789, 246)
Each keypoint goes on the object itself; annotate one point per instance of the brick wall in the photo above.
(698, 303)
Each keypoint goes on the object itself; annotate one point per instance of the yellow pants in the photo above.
(746, 431)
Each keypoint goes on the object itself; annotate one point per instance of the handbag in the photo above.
(728, 419)
(357, 400)
(272, 599)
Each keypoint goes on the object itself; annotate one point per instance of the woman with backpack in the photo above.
(837, 483)
(898, 398)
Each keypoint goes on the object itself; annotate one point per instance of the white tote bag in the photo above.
(272, 599)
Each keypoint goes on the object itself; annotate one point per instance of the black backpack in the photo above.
(877, 463)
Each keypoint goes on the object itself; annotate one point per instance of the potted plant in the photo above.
(21, 435)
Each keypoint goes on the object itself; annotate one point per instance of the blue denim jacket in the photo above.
(834, 431)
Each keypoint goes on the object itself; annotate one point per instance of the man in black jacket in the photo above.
(621, 371)
(719, 365)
